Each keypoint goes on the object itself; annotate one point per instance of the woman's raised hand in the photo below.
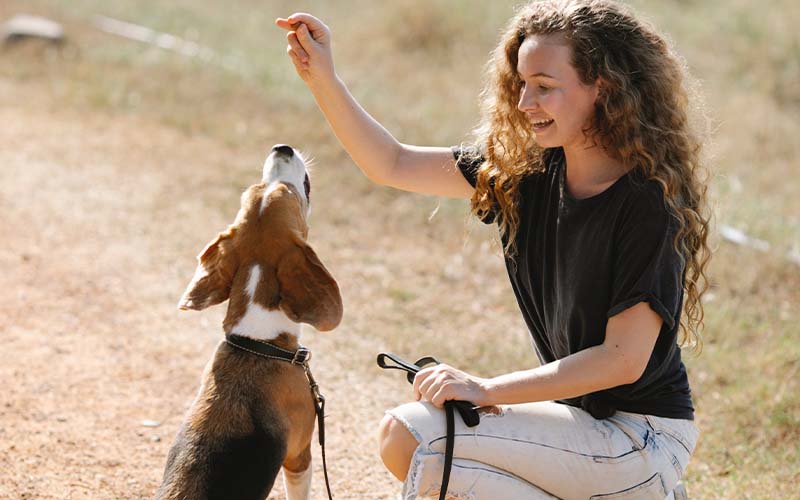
(309, 47)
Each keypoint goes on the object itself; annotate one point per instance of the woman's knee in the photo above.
(397, 446)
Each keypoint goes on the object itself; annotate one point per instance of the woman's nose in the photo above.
(527, 101)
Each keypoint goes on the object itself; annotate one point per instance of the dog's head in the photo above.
(263, 257)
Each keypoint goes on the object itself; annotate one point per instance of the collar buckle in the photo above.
(301, 356)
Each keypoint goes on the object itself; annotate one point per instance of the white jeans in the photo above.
(548, 450)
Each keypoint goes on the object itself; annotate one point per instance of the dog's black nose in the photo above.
(283, 149)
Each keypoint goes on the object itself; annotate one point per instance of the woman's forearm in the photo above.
(584, 372)
(371, 146)
(630, 338)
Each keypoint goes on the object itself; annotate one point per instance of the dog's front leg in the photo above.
(297, 476)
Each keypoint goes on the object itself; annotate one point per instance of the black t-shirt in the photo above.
(580, 262)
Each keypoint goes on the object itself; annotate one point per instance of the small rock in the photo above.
(738, 237)
(150, 423)
(156, 439)
(24, 26)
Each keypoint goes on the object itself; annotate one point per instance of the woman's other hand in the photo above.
(441, 383)
(309, 47)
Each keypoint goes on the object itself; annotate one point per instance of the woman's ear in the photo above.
(308, 292)
(604, 90)
(600, 86)
(216, 267)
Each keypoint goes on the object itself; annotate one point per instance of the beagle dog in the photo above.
(254, 415)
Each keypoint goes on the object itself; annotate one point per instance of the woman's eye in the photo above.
(543, 88)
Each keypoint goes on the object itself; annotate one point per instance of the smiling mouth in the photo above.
(541, 124)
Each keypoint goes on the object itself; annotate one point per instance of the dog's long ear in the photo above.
(216, 267)
(308, 292)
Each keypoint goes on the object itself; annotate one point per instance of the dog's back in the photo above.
(249, 414)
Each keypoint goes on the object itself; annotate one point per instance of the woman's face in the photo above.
(553, 97)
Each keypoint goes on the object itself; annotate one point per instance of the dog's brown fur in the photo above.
(253, 415)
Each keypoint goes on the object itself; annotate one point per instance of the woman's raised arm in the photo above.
(384, 160)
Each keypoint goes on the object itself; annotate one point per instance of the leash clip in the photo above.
(319, 399)
(318, 396)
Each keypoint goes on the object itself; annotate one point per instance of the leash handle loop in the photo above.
(401, 364)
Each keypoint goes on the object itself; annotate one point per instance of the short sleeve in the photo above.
(468, 162)
(646, 266)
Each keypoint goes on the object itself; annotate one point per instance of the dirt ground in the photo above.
(98, 365)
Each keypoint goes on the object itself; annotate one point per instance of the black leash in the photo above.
(299, 357)
(319, 407)
(467, 410)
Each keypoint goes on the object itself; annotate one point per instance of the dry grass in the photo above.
(111, 136)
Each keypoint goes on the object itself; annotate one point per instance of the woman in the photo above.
(585, 160)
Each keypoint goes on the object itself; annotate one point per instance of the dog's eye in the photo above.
(307, 185)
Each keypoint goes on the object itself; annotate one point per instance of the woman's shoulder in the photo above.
(645, 193)
(644, 202)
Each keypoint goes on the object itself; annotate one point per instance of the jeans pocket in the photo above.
(636, 429)
(652, 489)
(683, 432)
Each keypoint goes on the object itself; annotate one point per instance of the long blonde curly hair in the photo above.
(641, 116)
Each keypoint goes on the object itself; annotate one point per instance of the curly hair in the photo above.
(641, 116)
